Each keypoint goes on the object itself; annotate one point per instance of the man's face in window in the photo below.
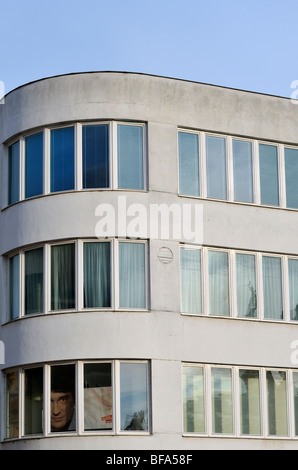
(62, 408)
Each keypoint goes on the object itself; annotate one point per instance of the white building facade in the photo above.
(149, 266)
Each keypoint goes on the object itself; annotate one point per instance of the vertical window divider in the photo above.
(113, 154)
(232, 282)
(205, 282)
(22, 169)
(78, 157)
(47, 161)
(256, 172)
(47, 278)
(47, 400)
(115, 273)
(21, 284)
(285, 289)
(202, 164)
(282, 176)
(229, 170)
(260, 298)
(79, 277)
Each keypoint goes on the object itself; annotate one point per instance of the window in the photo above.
(130, 156)
(188, 145)
(293, 288)
(14, 289)
(85, 397)
(216, 167)
(218, 268)
(291, 168)
(272, 288)
(34, 165)
(190, 268)
(97, 275)
(96, 172)
(132, 275)
(240, 402)
(242, 166)
(246, 285)
(14, 173)
(62, 159)
(269, 174)
(63, 277)
(34, 281)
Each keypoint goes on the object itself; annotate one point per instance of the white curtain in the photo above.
(293, 285)
(273, 305)
(246, 286)
(218, 265)
(191, 299)
(97, 277)
(132, 279)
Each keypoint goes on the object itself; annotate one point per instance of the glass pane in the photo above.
(132, 278)
(33, 401)
(218, 265)
(272, 288)
(34, 165)
(222, 404)
(242, 161)
(250, 402)
(189, 183)
(295, 392)
(191, 299)
(193, 399)
(63, 398)
(14, 173)
(269, 175)
(98, 398)
(34, 281)
(12, 405)
(130, 157)
(246, 285)
(96, 156)
(277, 403)
(291, 167)
(134, 396)
(62, 159)
(293, 288)
(63, 277)
(97, 275)
(14, 265)
(216, 167)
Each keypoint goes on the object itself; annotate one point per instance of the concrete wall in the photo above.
(161, 335)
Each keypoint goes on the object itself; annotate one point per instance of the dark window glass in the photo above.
(63, 277)
(269, 175)
(14, 173)
(34, 281)
(34, 401)
(130, 157)
(96, 156)
(97, 275)
(62, 159)
(291, 166)
(189, 183)
(34, 165)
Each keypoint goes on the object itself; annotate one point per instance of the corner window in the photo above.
(33, 416)
(97, 275)
(14, 173)
(14, 287)
(130, 156)
(96, 172)
(12, 404)
(63, 398)
(34, 165)
(34, 281)
(98, 397)
(63, 277)
(134, 396)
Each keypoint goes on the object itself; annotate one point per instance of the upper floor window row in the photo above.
(105, 155)
(234, 169)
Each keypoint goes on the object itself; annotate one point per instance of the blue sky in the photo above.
(245, 44)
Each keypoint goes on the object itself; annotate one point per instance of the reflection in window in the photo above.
(193, 399)
(218, 266)
(62, 159)
(293, 288)
(14, 173)
(96, 156)
(63, 398)
(291, 168)
(97, 275)
(98, 397)
(63, 277)
(130, 157)
(277, 403)
(12, 405)
(132, 277)
(272, 288)
(188, 164)
(246, 285)
(242, 161)
(250, 402)
(14, 265)
(222, 404)
(134, 396)
(216, 167)
(269, 174)
(34, 281)
(33, 401)
(34, 165)
(191, 296)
